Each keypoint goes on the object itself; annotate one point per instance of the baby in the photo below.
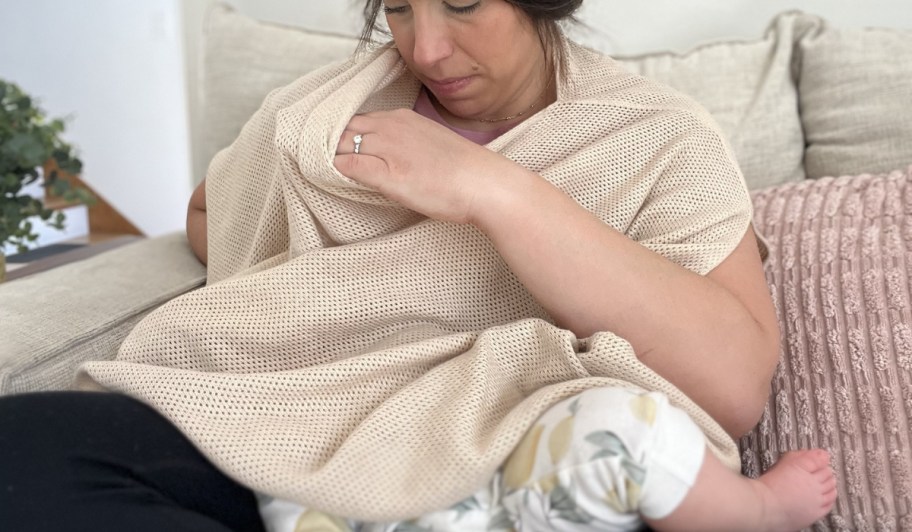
(613, 458)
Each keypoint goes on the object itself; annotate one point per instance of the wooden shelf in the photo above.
(104, 219)
(107, 230)
(84, 249)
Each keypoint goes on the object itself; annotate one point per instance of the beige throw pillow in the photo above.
(856, 100)
(749, 89)
(245, 59)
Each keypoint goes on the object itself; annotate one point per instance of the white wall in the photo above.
(115, 67)
(625, 27)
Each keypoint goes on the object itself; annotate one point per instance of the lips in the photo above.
(449, 86)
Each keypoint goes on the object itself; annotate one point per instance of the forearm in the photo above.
(197, 224)
(592, 278)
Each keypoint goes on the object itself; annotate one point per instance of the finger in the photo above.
(375, 144)
(347, 142)
(379, 121)
(363, 123)
(364, 169)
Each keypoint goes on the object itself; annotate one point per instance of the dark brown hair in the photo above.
(545, 16)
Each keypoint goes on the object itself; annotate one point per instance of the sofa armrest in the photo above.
(53, 321)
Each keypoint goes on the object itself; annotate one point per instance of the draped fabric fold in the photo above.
(350, 355)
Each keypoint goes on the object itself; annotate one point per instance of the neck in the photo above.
(530, 98)
(528, 110)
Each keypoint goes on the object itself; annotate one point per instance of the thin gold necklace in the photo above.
(517, 115)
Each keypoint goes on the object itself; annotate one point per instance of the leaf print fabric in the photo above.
(561, 436)
(593, 462)
(314, 521)
(644, 407)
(519, 466)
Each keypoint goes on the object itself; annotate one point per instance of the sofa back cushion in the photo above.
(244, 59)
(855, 91)
(749, 88)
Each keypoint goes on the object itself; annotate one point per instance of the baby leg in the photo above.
(611, 458)
(600, 461)
(796, 492)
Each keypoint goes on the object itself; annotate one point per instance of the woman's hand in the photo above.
(420, 164)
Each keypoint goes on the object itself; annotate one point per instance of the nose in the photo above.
(433, 42)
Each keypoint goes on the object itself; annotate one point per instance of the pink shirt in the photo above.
(425, 108)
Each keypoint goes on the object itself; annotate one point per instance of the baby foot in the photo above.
(798, 490)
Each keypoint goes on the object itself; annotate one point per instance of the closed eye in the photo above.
(395, 10)
(459, 10)
(463, 10)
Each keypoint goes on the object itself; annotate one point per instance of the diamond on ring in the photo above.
(358, 139)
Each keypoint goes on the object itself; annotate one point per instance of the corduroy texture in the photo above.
(839, 267)
(354, 357)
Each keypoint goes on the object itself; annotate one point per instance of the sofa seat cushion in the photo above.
(855, 92)
(839, 271)
(55, 320)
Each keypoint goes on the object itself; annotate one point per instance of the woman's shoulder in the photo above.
(595, 79)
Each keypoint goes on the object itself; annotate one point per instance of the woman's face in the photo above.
(482, 59)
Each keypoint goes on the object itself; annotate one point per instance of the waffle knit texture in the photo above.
(355, 357)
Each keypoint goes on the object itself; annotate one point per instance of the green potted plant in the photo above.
(31, 146)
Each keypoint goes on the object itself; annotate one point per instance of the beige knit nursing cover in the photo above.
(355, 357)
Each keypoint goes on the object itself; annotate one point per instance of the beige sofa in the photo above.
(803, 104)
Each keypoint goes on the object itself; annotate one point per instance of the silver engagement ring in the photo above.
(358, 139)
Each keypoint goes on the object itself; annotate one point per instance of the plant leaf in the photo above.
(28, 141)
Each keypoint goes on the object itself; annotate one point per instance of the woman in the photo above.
(602, 202)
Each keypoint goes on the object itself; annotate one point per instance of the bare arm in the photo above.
(715, 337)
(196, 223)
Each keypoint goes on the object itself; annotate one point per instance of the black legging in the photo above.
(80, 461)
